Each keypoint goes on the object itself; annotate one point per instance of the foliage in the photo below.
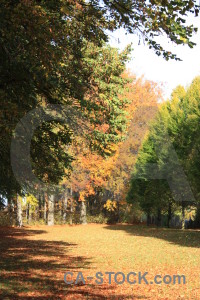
(143, 98)
(110, 205)
(178, 119)
(46, 60)
(30, 199)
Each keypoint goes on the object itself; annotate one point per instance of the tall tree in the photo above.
(143, 99)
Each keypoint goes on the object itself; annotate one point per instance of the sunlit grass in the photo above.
(35, 259)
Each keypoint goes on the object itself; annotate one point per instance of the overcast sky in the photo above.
(171, 73)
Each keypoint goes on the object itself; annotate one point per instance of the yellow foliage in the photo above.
(29, 199)
(82, 196)
(111, 205)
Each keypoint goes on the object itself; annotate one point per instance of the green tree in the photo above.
(177, 119)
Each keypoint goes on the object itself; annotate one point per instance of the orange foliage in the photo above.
(91, 171)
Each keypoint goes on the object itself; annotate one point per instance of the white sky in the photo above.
(171, 73)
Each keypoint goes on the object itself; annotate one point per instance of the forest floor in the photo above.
(34, 260)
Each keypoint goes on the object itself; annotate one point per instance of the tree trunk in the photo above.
(158, 221)
(50, 219)
(118, 212)
(45, 207)
(83, 217)
(30, 214)
(65, 207)
(169, 215)
(183, 217)
(71, 208)
(19, 212)
(27, 213)
(40, 206)
(148, 219)
(10, 210)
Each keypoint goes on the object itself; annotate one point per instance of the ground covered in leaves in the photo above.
(34, 260)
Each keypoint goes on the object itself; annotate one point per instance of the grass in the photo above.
(34, 260)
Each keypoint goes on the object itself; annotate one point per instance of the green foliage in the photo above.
(104, 103)
(177, 119)
(50, 60)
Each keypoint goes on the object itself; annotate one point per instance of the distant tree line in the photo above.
(177, 122)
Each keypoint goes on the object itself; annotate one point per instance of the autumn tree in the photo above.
(143, 99)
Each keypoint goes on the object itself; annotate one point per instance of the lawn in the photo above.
(34, 260)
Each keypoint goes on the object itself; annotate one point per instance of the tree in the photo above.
(178, 119)
(152, 18)
(143, 99)
(19, 212)
(94, 175)
(104, 123)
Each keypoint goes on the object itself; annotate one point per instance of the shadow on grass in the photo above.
(184, 238)
(32, 268)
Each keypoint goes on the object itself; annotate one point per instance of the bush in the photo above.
(6, 219)
(131, 214)
(98, 219)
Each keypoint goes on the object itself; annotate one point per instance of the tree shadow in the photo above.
(184, 238)
(32, 268)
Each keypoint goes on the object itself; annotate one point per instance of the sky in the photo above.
(170, 73)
